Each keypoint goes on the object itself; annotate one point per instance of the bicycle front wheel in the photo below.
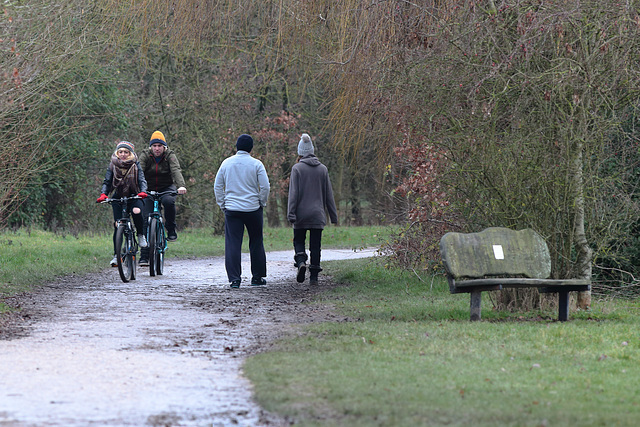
(131, 255)
(161, 245)
(153, 232)
(122, 254)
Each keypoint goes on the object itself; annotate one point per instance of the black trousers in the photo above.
(234, 224)
(315, 243)
(169, 208)
(169, 211)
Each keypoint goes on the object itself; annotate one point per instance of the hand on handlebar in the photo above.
(102, 198)
(182, 190)
(157, 194)
(142, 194)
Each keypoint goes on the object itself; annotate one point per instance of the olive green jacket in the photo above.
(162, 174)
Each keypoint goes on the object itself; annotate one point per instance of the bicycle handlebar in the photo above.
(154, 194)
(121, 200)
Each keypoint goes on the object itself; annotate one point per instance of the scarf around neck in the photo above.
(125, 175)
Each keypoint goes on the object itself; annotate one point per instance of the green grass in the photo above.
(29, 258)
(410, 357)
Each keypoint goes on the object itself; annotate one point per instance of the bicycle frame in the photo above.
(125, 218)
(157, 210)
(155, 233)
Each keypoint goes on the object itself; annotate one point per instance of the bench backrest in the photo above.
(495, 251)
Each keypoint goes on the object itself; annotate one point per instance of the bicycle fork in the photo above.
(131, 242)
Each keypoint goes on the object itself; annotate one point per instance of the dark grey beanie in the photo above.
(245, 143)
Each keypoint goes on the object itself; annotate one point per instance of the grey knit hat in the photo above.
(305, 146)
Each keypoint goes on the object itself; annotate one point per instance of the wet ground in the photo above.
(158, 351)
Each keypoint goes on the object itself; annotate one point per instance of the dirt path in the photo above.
(160, 351)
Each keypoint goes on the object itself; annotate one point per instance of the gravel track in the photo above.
(160, 351)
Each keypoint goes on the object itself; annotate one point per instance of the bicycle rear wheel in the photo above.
(161, 244)
(152, 246)
(122, 254)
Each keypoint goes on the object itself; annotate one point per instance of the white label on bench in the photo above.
(497, 252)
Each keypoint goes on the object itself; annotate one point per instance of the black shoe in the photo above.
(302, 269)
(235, 284)
(313, 276)
(258, 281)
(144, 262)
(172, 236)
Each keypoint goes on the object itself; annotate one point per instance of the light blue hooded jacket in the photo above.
(241, 183)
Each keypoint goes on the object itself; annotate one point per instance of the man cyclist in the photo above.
(162, 172)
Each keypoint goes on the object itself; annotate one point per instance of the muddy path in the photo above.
(159, 351)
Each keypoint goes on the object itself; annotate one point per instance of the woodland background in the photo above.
(431, 115)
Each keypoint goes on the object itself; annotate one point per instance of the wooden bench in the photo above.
(498, 258)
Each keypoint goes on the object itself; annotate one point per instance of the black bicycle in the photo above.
(155, 233)
(126, 242)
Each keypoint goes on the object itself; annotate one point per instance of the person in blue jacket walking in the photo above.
(242, 189)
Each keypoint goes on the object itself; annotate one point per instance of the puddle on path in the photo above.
(159, 351)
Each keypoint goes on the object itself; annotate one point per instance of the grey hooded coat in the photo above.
(310, 193)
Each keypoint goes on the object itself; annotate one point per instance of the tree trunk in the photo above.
(284, 208)
(273, 219)
(585, 254)
(356, 211)
(338, 189)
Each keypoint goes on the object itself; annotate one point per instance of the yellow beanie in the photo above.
(157, 138)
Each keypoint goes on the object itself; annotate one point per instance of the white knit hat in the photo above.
(305, 146)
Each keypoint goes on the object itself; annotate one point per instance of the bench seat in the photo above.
(511, 282)
(498, 258)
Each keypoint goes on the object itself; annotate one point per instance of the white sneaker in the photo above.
(114, 261)
(142, 241)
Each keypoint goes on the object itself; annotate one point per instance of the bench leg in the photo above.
(563, 306)
(476, 300)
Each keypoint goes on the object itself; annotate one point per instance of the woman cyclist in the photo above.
(125, 178)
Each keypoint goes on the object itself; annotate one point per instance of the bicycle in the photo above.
(126, 242)
(155, 233)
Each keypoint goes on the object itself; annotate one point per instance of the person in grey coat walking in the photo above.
(310, 198)
(242, 189)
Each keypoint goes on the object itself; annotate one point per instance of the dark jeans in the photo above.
(137, 218)
(315, 239)
(234, 225)
(169, 206)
